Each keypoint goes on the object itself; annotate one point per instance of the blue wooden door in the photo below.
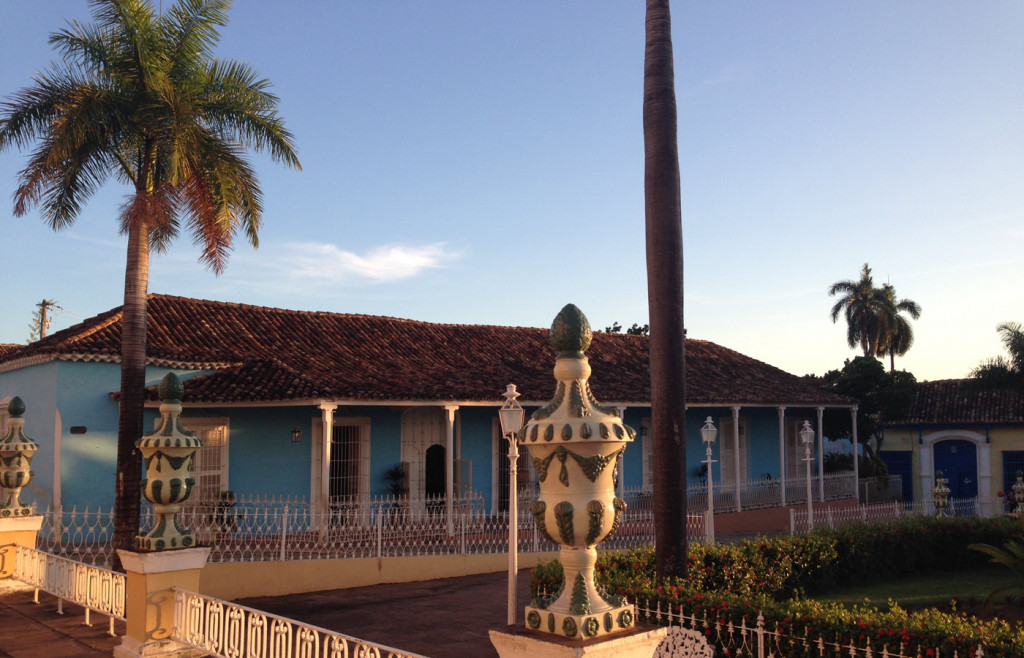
(958, 461)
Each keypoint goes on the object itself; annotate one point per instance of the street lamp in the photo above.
(511, 418)
(807, 438)
(708, 433)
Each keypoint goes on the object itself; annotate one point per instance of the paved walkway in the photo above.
(447, 618)
(28, 630)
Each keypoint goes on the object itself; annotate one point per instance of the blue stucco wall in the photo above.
(36, 386)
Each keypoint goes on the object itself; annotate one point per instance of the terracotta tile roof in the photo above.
(955, 402)
(268, 354)
(7, 348)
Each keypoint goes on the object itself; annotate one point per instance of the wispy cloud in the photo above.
(726, 76)
(384, 263)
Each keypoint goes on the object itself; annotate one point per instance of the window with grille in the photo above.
(345, 461)
(210, 465)
(1013, 461)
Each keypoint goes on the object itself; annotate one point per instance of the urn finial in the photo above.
(570, 332)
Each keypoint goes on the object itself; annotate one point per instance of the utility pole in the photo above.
(42, 319)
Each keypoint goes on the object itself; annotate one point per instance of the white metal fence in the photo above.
(829, 517)
(225, 629)
(761, 493)
(763, 640)
(268, 529)
(93, 588)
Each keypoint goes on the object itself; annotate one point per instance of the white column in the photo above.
(449, 471)
(58, 431)
(821, 457)
(736, 455)
(856, 456)
(782, 456)
(327, 425)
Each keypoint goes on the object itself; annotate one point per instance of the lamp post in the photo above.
(807, 438)
(511, 417)
(708, 434)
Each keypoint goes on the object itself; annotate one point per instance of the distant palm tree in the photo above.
(896, 335)
(860, 303)
(139, 96)
(667, 344)
(1004, 371)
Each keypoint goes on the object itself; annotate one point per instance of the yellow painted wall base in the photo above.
(18, 531)
(245, 580)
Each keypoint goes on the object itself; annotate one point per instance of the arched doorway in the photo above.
(958, 461)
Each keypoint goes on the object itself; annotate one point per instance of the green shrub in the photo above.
(732, 583)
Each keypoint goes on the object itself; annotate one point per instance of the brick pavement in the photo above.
(28, 630)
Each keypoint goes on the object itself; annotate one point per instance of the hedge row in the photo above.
(774, 575)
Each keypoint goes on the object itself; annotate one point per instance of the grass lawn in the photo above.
(929, 590)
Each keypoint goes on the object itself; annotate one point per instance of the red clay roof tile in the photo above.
(269, 354)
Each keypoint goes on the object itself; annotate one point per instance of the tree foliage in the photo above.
(1004, 372)
(139, 97)
(635, 330)
(883, 397)
(874, 316)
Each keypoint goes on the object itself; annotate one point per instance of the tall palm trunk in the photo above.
(665, 294)
(133, 382)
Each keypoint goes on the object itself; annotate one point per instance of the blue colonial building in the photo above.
(330, 407)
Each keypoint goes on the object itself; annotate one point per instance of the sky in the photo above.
(482, 163)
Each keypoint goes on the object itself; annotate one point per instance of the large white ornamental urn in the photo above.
(168, 453)
(575, 445)
(16, 451)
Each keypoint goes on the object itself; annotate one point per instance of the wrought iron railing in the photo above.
(92, 588)
(225, 629)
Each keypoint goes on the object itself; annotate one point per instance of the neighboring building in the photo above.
(386, 392)
(976, 438)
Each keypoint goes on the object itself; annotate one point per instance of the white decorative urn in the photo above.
(16, 451)
(575, 445)
(940, 494)
(168, 453)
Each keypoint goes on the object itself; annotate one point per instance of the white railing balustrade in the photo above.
(763, 639)
(90, 587)
(229, 630)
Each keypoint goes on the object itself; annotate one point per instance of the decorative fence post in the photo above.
(18, 525)
(1018, 494)
(165, 557)
(574, 443)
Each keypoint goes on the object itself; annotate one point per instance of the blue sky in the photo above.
(482, 162)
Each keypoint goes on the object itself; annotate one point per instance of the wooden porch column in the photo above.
(736, 456)
(449, 471)
(821, 457)
(327, 434)
(856, 456)
(782, 456)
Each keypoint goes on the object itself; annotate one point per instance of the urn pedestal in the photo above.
(575, 445)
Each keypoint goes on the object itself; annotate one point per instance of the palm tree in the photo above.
(896, 335)
(1002, 371)
(665, 294)
(860, 303)
(140, 97)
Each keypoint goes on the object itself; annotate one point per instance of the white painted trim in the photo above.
(927, 458)
(782, 455)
